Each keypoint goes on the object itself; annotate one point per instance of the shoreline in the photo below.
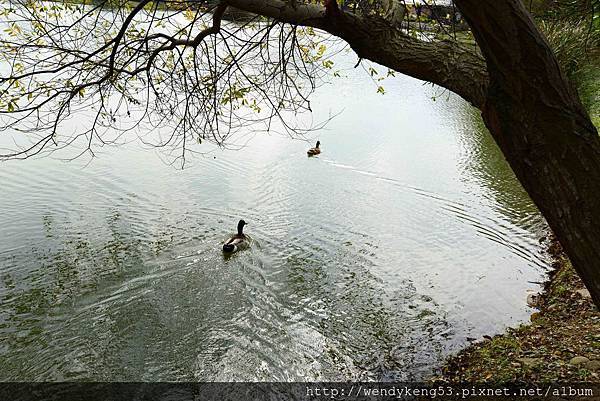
(560, 343)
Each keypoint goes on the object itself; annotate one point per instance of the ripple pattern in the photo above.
(369, 262)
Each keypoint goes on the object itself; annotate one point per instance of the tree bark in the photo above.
(546, 135)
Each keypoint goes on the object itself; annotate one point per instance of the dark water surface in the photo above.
(372, 261)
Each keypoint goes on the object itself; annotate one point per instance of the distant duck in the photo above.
(237, 241)
(314, 151)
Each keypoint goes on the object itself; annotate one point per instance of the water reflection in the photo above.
(373, 261)
(484, 166)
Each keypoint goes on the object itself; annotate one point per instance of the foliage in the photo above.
(588, 84)
(572, 42)
(178, 73)
(566, 9)
(149, 66)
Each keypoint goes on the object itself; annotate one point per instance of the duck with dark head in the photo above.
(314, 151)
(238, 241)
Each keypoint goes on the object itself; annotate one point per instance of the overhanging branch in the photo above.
(444, 63)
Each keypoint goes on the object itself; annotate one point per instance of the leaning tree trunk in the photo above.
(541, 127)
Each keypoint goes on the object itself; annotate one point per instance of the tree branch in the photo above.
(444, 63)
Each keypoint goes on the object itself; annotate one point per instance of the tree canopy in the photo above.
(182, 64)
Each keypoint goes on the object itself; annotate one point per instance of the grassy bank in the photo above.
(588, 85)
(562, 343)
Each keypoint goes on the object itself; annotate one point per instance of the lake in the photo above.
(372, 261)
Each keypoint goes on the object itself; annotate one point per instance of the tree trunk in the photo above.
(546, 135)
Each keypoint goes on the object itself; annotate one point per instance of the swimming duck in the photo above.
(239, 240)
(314, 151)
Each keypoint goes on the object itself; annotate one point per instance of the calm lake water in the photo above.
(374, 260)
